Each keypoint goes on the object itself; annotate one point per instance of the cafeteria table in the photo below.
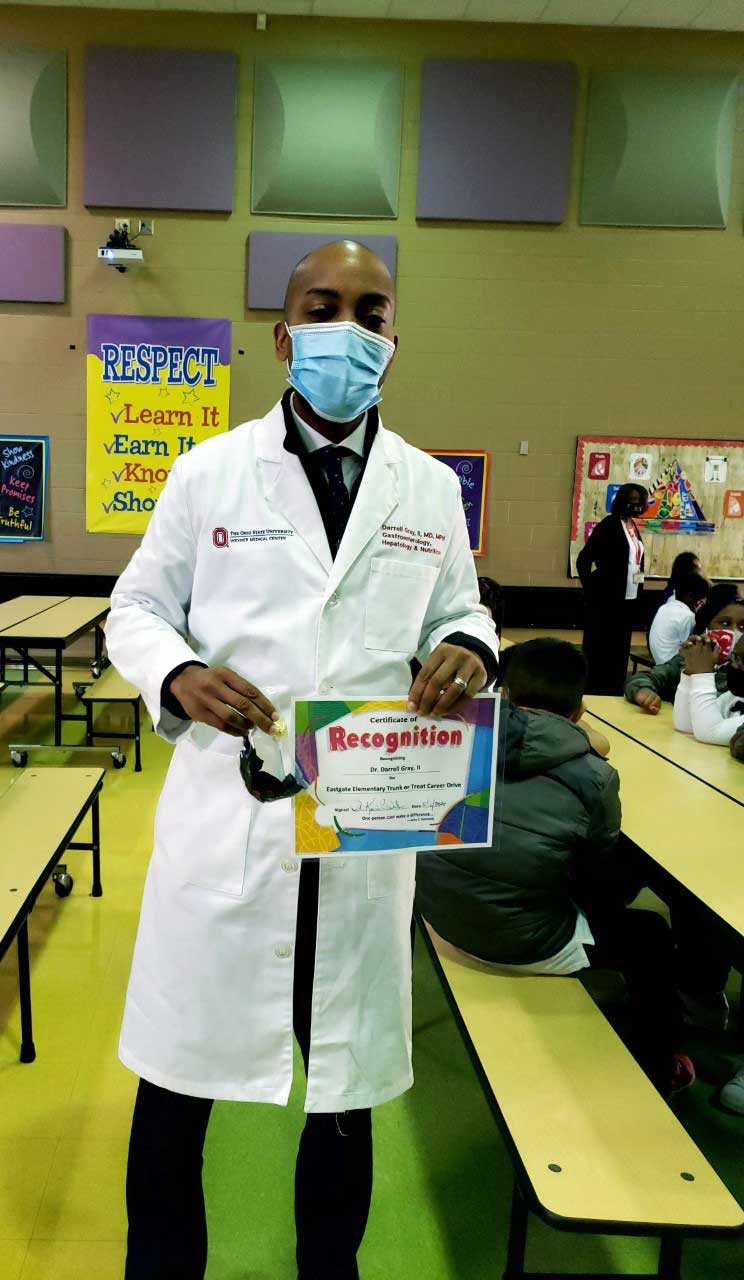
(50, 624)
(712, 765)
(689, 834)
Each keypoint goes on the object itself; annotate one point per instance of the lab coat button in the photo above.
(282, 953)
(333, 600)
(290, 866)
(325, 687)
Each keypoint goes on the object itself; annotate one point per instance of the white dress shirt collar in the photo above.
(313, 440)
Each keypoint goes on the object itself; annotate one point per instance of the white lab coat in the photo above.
(209, 1005)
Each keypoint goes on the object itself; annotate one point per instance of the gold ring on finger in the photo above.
(233, 711)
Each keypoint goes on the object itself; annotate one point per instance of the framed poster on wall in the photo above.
(695, 498)
(157, 386)
(471, 469)
(24, 473)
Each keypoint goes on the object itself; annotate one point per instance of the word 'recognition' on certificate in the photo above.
(378, 778)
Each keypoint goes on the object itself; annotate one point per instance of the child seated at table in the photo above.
(674, 621)
(700, 707)
(722, 611)
(549, 896)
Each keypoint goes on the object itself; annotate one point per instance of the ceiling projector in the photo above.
(119, 252)
(121, 258)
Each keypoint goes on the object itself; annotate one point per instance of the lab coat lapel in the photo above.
(286, 487)
(377, 497)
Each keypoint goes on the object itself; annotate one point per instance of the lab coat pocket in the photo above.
(389, 873)
(204, 814)
(382, 875)
(398, 595)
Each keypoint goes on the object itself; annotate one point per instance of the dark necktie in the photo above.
(339, 500)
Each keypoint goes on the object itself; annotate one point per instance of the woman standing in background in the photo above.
(610, 567)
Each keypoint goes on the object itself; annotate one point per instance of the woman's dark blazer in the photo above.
(603, 563)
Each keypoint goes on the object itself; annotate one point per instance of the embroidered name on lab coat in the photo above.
(402, 538)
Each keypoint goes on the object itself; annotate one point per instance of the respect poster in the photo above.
(378, 778)
(157, 386)
(24, 467)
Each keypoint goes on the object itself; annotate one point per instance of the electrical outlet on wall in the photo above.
(123, 224)
(147, 226)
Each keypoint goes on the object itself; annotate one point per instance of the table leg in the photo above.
(670, 1258)
(137, 753)
(517, 1243)
(58, 697)
(28, 1051)
(97, 891)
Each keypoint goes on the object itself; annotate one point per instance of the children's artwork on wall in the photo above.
(640, 467)
(327, 138)
(471, 470)
(33, 127)
(159, 129)
(157, 386)
(715, 469)
(24, 471)
(688, 508)
(599, 466)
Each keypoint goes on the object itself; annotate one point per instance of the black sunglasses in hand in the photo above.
(264, 786)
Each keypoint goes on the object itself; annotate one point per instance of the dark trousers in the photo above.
(608, 627)
(333, 1180)
(639, 944)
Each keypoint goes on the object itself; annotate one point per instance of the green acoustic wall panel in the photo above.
(658, 149)
(33, 127)
(326, 138)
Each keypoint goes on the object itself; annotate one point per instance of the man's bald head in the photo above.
(345, 277)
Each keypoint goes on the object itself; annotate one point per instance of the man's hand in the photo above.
(450, 676)
(224, 700)
(701, 656)
(648, 701)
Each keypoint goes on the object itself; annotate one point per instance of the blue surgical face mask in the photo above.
(337, 367)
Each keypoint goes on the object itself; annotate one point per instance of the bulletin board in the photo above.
(696, 498)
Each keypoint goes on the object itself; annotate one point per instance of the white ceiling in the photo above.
(710, 15)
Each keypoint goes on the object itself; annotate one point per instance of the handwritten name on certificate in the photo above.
(380, 779)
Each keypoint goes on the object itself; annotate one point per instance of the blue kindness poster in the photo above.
(24, 468)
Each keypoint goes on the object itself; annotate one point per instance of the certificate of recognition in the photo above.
(380, 779)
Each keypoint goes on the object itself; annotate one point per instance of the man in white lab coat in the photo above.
(311, 551)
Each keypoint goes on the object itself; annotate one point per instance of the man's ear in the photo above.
(282, 342)
(390, 361)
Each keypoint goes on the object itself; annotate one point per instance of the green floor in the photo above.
(442, 1176)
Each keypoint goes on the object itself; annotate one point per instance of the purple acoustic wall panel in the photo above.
(495, 140)
(273, 254)
(32, 263)
(159, 129)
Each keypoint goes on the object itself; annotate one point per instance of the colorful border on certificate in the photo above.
(441, 455)
(469, 821)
